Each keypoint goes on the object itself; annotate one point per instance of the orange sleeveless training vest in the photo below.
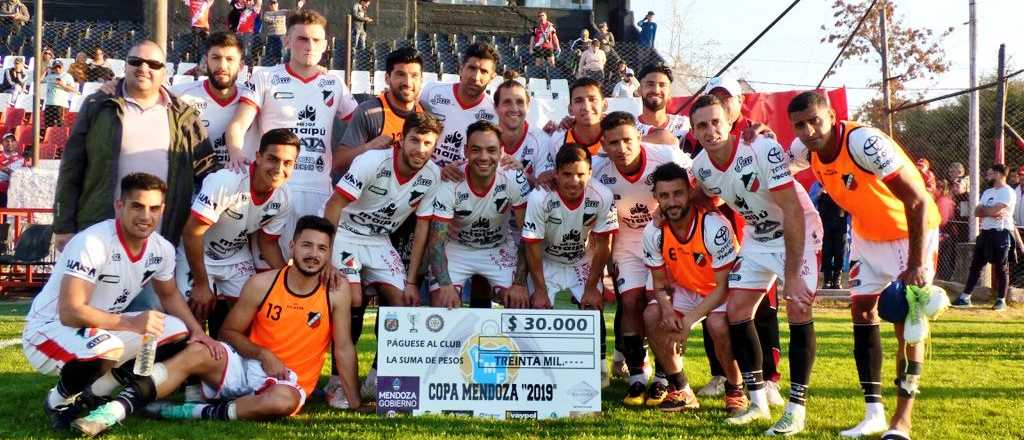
(688, 261)
(296, 328)
(594, 148)
(392, 122)
(877, 214)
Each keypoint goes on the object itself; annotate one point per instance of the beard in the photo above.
(309, 273)
(217, 84)
(649, 105)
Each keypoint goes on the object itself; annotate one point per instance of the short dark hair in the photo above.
(279, 136)
(656, 68)
(223, 39)
(571, 153)
(806, 100)
(705, 101)
(668, 172)
(422, 123)
(1000, 168)
(585, 82)
(305, 16)
(617, 119)
(508, 84)
(404, 55)
(480, 50)
(482, 126)
(315, 223)
(141, 182)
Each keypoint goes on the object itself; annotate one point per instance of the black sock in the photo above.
(709, 350)
(76, 376)
(217, 411)
(766, 319)
(604, 336)
(357, 322)
(732, 388)
(677, 380)
(137, 394)
(617, 327)
(867, 353)
(802, 347)
(747, 350)
(659, 371)
(634, 353)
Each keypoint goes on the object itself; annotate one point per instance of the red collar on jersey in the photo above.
(257, 198)
(691, 228)
(469, 182)
(221, 102)
(526, 130)
(735, 144)
(291, 72)
(128, 252)
(572, 204)
(402, 180)
(633, 178)
(465, 106)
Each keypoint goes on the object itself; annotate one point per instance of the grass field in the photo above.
(973, 389)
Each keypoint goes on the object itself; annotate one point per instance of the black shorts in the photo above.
(994, 245)
(542, 52)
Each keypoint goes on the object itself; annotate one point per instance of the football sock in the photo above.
(867, 354)
(634, 352)
(677, 380)
(659, 373)
(766, 319)
(802, 348)
(76, 375)
(747, 350)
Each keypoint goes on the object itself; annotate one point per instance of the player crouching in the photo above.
(690, 257)
(76, 327)
(276, 336)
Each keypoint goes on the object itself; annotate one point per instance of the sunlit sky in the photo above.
(791, 53)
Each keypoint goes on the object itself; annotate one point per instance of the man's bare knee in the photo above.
(279, 401)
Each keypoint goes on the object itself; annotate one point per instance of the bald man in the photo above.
(139, 127)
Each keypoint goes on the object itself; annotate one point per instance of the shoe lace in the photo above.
(103, 415)
(785, 422)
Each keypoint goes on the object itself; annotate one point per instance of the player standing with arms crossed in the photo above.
(895, 237)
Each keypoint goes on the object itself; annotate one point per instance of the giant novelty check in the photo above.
(498, 363)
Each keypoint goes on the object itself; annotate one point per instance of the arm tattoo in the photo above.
(438, 259)
(521, 267)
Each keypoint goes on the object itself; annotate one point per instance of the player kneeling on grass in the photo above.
(567, 234)
(231, 207)
(690, 257)
(76, 328)
(276, 336)
(469, 234)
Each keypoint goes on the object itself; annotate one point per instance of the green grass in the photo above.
(972, 389)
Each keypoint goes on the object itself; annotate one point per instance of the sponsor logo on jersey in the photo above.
(97, 340)
(383, 172)
(110, 279)
(313, 145)
(553, 204)
(78, 267)
(775, 155)
(454, 139)
(307, 114)
(122, 298)
(734, 274)
(278, 80)
(328, 97)
(554, 220)
(325, 82)
(721, 236)
(484, 115)
(378, 190)
(116, 256)
(743, 162)
(438, 206)
(607, 180)
(849, 182)
(249, 85)
(313, 319)
(871, 146)
(206, 201)
(750, 182)
(233, 215)
(283, 95)
(440, 100)
(703, 173)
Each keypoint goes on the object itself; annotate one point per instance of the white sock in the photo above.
(874, 409)
(965, 296)
(638, 378)
(662, 380)
(618, 357)
(118, 409)
(232, 411)
(759, 398)
(159, 374)
(796, 409)
(105, 385)
(54, 399)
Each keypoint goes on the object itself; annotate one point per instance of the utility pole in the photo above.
(886, 97)
(160, 25)
(1000, 106)
(973, 139)
(37, 74)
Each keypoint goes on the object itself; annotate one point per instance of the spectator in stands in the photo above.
(582, 43)
(628, 86)
(235, 14)
(10, 160)
(592, 62)
(510, 75)
(79, 69)
(944, 201)
(140, 128)
(835, 223)
(47, 61)
(925, 167)
(995, 211)
(359, 21)
(15, 13)
(199, 17)
(603, 35)
(99, 68)
(648, 28)
(544, 42)
(246, 28)
(59, 86)
(274, 27)
(1018, 188)
(99, 58)
(14, 78)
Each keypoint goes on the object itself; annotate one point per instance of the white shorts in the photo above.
(51, 345)
(497, 265)
(304, 202)
(225, 280)
(758, 270)
(565, 278)
(633, 273)
(685, 301)
(875, 264)
(243, 377)
(369, 264)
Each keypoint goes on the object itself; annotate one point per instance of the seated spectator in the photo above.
(628, 86)
(10, 160)
(14, 12)
(510, 75)
(79, 69)
(592, 62)
(14, 81)
(99, 67)
(99, 58)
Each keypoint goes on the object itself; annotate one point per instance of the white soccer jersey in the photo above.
(380, 199)
(531, 149)
(745, 183)
(634, 199)
(98, 255)
(678, 125)
(216, 114)
(562, 137)
(441, 101)
(480, 220)
(869, 148)
(565, 227)
(308, 107)
(226, 202)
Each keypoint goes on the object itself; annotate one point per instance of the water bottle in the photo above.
(147, 355)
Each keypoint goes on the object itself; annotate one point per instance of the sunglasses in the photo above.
(138, 62)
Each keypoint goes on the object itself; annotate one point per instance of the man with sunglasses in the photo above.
(138, 128)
